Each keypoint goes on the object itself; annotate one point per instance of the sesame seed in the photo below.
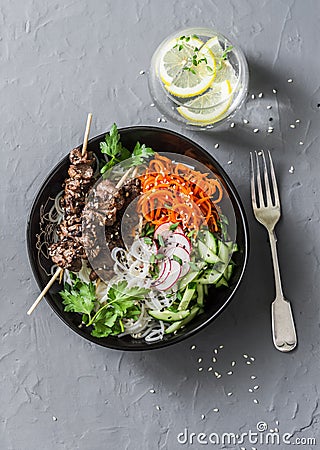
(253, 96)
(210, 369)
(54, 418)
(256, 387)
(270, 130)
(232, 125)
(250, 390)
(229, 162)
(229, 394)
(253, 377)
(274, 91)
(159, 119)
(158, 408)
(221, 346)
(276, 430)
(203, 416)
(269, 107)
(200, 369)
(255, 401)
(233, 363)
(216, 146)
(297, 120)
(215, 351)
(245, 355)
(142, 72)
(152, 391)
(260, 153)
(256, 130)
(215, 410)
(152, 104)
(291, 170)
(252, 358)
(230, 372)
(245, 121)
(199, 360)
(277, 422)
(248, 362)
(260, 95)
(290, 80)
(214, 359)
(163, 119)
(292, 125)
(217, 374)
(300, 143)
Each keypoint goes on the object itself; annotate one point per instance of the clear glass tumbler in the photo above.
(198, 78)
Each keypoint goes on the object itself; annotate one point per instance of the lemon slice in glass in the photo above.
(224, 70)
(174, 56)
(209, 107)
(194, 79)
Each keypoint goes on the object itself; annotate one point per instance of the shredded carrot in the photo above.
(176, 193)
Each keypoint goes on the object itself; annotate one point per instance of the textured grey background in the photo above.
(61, 59)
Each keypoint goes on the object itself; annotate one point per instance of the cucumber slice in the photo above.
(207, 255)
(228, 272)
(222, 282)
(169, 316)
(187, 296)
(200, 292)
(211, 242)
(224, 252)
(176, 325)
(210, 276)
(190, 276)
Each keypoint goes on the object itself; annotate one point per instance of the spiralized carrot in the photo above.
(176, 193)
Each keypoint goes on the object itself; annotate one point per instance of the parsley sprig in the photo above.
(116, 152)
(106, 318)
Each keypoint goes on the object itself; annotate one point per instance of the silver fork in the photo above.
(267, 212)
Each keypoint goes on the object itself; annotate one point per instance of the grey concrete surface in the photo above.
(61, 59)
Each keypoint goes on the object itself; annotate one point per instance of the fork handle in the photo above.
(283, 328)
(276, 269)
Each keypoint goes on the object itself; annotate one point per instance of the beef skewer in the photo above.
(75, 201)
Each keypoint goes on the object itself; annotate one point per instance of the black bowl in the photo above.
(163, 141)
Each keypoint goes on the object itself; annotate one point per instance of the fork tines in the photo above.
(264, 196)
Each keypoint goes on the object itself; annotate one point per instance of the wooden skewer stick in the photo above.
(86, 134)
(45, 290)
(59, 270)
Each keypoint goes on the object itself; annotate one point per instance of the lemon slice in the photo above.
(214, 45)
(209, 107)
(224, 70)
(175, 55)
(193, 80)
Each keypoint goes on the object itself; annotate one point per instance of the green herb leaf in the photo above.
(79, 298)
(148, 240)
(174, 226)
(113, 148)
(141, 152)
(152, 259)
(160, 240)
(176, 258)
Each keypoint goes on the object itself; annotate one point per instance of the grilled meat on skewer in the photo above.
(68, 252)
